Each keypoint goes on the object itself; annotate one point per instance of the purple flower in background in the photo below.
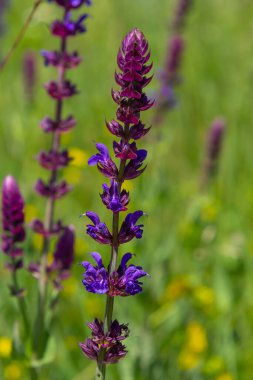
(111, 341)
(122, 282)
(213, 149)
(12, 222)
(181, 12)
(169, 76)
(29, 73)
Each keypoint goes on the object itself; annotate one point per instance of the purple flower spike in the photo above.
(213, 148)
(98, 231)
(95, 278)
(132, 59)
(110, 342)
(125, 280)
(112, 199)
(180, 14)
(129, 229)
(12, 220)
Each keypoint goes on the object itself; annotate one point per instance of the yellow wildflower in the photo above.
(5, 347)
(177, 288)
(188, 360)
(80, 158)
(13, 371)
(196, 338)
(225, 376)
(204, 295)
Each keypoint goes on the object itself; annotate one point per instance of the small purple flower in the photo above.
(98, 231)
(54, 160)
(95, 278)
(60, 91)
(125, 150)
(68, 27)
(54, 190)
(132, 169)
(104, 162)
(12, 221)
(65, 125)
(122, 282)
(38, 227)
(114, 200)
(64, 60)
(110, 342)
(129, 229)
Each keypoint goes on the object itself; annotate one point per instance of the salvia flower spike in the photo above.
(13, 223)
(214, 143)
(169, 76)
(118, 279)
(56, 158)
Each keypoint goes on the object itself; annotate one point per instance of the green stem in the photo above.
(33, 374)
(21, 304)
(101, 367)
(20, 35)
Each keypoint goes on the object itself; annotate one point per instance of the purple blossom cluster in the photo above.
(124, 279)
(109, 341)
(122, 282)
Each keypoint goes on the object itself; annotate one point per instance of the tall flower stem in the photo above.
(21, 303)
(105, 346)
(49, 219)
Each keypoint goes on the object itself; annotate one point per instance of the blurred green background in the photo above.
(194, 319)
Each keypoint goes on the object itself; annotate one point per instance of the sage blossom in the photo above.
(118, 279)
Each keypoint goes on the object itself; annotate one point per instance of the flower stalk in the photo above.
(122, 280)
